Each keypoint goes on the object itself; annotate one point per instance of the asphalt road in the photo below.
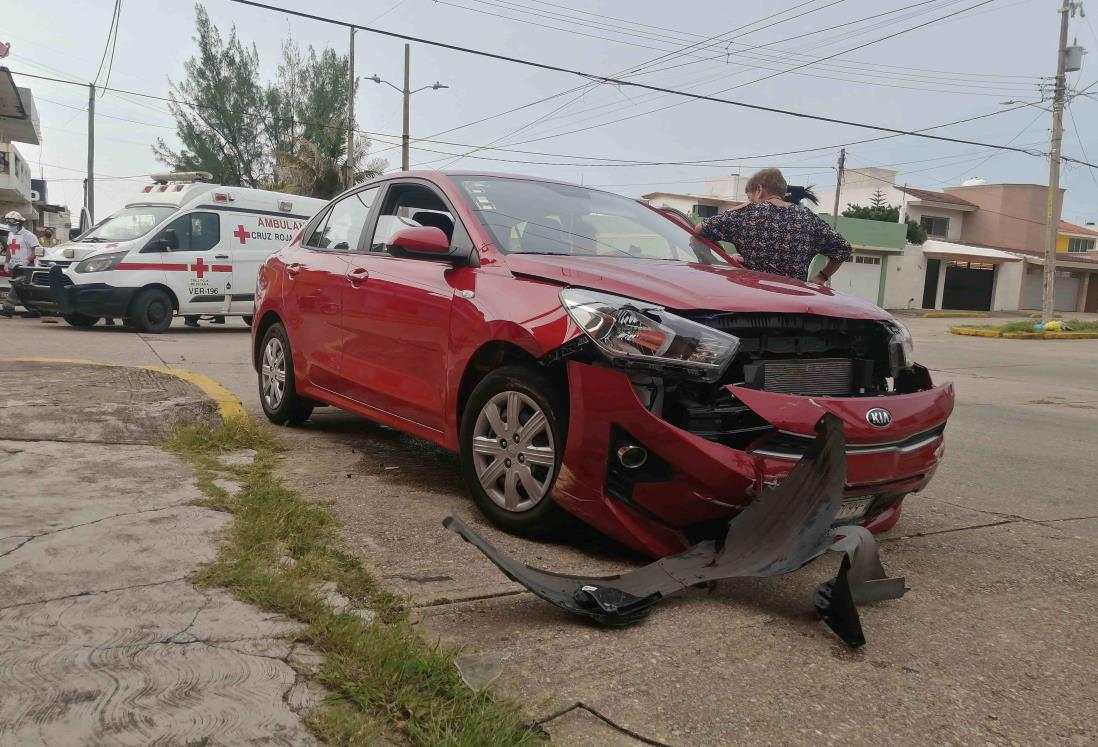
(995, 643)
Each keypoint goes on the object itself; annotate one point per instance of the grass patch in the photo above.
(387, 682)
(1070, 325)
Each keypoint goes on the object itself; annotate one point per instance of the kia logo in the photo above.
(878, 417)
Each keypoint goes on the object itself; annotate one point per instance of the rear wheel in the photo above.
(151, 311)
(512, 444)
(277, 384)
(77, 319)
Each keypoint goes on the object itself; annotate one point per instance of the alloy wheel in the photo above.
(274, 373)
(513, 451)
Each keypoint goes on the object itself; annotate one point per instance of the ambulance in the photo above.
(183, 246)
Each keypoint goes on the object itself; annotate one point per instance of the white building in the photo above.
(18, 123)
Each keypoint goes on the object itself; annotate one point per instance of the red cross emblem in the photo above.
(241, 234)
(200, 267)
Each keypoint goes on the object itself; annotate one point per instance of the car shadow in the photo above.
(401, 459)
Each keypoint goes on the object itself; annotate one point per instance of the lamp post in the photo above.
(406, 92)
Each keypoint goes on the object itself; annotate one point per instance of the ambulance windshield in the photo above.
(129, 223)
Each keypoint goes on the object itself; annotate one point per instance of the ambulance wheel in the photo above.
(151, 311)
(248, 320)
(77, 319)
(277, 383)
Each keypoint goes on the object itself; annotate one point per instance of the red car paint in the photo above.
(390, 338)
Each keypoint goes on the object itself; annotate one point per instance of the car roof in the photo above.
(435, 175)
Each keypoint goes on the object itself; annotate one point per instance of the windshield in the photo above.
(129, 223)
(528, 217)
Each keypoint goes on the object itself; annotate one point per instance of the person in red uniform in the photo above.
(776, 236)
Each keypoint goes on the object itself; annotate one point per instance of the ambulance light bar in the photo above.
(188, 177)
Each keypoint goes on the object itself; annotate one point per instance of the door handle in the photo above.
(357, 275)
(293, 269)
(221, 256)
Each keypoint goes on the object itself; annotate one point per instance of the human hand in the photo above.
(821, 279)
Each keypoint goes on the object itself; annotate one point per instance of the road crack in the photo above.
(93, 593)
(88, 523)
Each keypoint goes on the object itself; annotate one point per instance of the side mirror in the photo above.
(168, 241)
(425, 241)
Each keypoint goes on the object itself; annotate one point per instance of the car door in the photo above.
(396, 311)
(316, 271)
(187, 247)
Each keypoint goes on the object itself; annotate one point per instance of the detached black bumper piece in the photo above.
(92, 299)
(780, 531)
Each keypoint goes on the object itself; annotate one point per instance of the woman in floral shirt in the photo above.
(776, 236)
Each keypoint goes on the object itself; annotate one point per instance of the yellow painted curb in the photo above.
(956, 315)
(228, 404)
(1050, 335)
(970, 332)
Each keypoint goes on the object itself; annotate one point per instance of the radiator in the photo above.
(814, 377)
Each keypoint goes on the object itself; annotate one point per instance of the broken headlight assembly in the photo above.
(901, 348)
(638, 334)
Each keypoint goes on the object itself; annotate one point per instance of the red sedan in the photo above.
(587, 354)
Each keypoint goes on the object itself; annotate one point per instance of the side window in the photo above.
(315, 238)
(205, 231)
(408, 205)
(194, 232)
(342, 228)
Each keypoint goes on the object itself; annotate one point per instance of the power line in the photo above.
(741, 85)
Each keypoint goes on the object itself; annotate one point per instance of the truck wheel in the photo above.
(277, 383)
(248, 320)
(77, 319)
(151, 311)
(512, 444)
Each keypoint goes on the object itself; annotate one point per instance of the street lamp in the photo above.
(406, 92)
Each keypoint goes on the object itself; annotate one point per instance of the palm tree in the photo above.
(317, 165)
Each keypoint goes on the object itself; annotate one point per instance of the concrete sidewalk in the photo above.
(102, 640)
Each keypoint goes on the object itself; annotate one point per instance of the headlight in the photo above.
(101, 262)
(634, 331)
(901, 348)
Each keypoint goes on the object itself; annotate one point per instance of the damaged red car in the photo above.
(586, 354)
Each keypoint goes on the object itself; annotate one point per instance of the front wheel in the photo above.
(77, 319)
(277, 384)
(151, 311)
(512, 444)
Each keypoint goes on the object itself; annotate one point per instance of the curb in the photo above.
(228, 404)
(956, 315)
(970, 332)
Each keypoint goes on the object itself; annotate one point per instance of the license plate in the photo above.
(853, 509)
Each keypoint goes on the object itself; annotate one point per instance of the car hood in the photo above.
(684, 285)
(74, 251)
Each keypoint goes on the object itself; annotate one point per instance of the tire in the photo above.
(77, 319)
(151, 311)
(248, 320)
(517, 496)
(280, 401)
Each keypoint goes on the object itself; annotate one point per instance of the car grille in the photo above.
(40, 278)
(809, 377)
(51, 263)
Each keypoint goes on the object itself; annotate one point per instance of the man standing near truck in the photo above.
(21, 246)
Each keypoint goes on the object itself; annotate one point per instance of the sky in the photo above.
(823, 57)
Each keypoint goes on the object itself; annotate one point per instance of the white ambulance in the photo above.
(182, 246)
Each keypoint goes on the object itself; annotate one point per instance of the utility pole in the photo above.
(838, 187)
(407, 99)
(1052, 212)
(91, 154)
(351, 112)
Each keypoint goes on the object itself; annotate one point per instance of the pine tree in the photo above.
(878, 199)
(220, 111)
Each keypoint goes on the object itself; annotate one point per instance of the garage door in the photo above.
(1065, 290)
(860, 277)
(968, 286)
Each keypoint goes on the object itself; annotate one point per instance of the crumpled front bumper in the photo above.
(691, 482)
(782, 530)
